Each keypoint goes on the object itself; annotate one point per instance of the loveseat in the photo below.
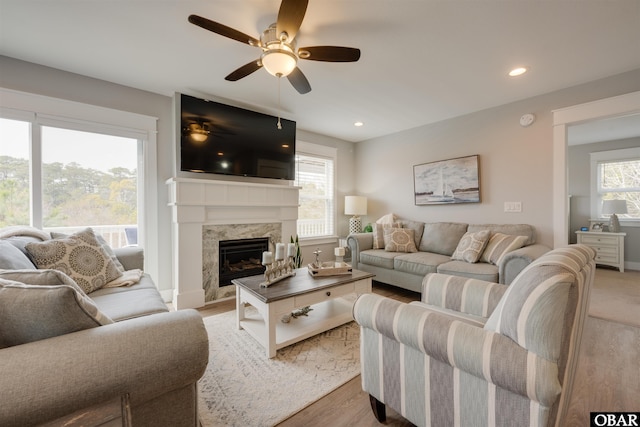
(474, 353)
(490, 252)
(89, 357)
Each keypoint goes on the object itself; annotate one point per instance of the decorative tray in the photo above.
(329, 268)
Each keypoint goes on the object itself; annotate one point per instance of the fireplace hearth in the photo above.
(240, 258)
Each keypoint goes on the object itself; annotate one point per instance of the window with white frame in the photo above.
(315, 175)
(615, 175)
(66, 173)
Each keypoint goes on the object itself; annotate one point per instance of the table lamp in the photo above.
(355, 205)
(614, 207)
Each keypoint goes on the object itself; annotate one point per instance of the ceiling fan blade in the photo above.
(299, 81)
(223, 30)
(329, 53)
(244, 71)
(290, 17)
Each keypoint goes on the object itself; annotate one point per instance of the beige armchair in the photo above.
(474, 353)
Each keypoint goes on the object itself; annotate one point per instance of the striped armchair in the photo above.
(474, 353)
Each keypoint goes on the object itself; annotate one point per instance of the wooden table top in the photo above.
(299, 284)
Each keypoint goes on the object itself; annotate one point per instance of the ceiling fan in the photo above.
(278, 43)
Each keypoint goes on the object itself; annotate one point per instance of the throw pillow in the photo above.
(34, 312)
(499, 245)
(12, 258)
(105, 246)
(399, 240)
(388, 219)
(80, 256)
(471, 246)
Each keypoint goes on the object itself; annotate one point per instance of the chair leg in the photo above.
(378, 408)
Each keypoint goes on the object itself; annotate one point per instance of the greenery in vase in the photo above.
(297, 259)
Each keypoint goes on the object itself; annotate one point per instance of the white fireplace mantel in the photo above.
(195, 203)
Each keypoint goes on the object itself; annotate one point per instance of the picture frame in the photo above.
(597, 226)
(449, 181)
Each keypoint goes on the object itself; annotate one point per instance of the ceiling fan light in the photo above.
(279, 62)
(198, 133)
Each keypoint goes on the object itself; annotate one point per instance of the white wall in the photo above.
(515, 162)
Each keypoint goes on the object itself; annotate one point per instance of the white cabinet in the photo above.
(609, 247)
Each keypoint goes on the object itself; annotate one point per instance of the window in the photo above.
(616, 176)
(65, 166)
(87, 180)
(315, 174)
(14, 172)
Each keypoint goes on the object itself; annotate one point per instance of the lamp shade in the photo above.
(355, 205)
(614, 207)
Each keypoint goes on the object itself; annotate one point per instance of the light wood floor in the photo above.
(608, 376)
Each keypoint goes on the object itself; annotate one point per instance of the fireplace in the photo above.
(240, 258)
(206, 211)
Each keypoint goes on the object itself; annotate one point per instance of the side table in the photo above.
(609, 247)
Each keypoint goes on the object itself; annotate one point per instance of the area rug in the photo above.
(242, 387)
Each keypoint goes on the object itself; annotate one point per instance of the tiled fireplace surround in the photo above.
(206, 211)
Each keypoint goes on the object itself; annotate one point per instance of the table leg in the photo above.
(270, 325)
(239, 307)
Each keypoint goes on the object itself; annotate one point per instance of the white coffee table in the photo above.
(330, 297)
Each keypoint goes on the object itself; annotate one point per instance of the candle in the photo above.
(291, 249)
(339, 251)
(267, 258)
(279, 251)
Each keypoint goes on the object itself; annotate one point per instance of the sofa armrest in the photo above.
(485, 354)
(462, 294)
(131, 257)
(145, 357)
(515, 261)
(359, 242)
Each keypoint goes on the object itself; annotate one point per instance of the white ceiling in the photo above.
(422, 60)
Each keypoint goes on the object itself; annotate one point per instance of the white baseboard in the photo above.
(628, 265)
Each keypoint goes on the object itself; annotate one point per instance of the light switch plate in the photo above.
(513, 207)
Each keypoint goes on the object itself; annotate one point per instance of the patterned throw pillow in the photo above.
(471, 246)
(399, 240)
(499, 245)
(80, 256)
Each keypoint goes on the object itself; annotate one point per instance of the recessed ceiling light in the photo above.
(358, 124)
(518, 71)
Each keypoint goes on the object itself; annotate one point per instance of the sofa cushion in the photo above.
(35, 312)
(471, 246)
(479, 270)
(417, 227)
(80, 256)
(129, 302)
(441, 237)
(511, 229)
(12, 258)
(419, 263)
(500, 244)
(399, 240)
(378, 258)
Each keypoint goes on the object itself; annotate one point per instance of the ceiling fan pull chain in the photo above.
(279, 107)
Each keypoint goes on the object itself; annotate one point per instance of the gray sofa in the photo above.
(124, 356)
(436, 243)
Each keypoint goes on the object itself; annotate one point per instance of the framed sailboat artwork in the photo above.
(447, 181)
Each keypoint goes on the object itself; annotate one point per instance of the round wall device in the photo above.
(527, 119)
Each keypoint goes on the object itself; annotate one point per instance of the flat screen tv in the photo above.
(222, 139)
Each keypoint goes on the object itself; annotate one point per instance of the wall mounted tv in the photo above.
(222, 139)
